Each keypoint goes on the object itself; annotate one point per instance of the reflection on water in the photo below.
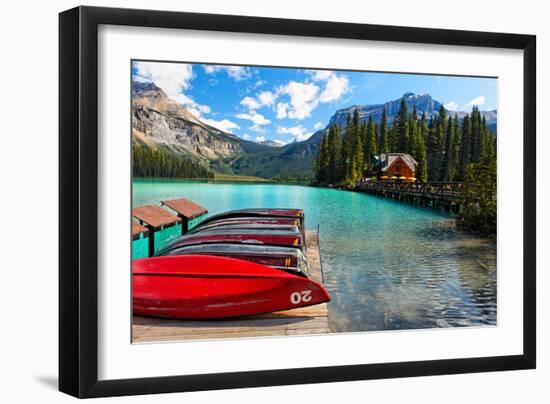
(387, 265)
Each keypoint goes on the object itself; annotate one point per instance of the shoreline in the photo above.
(229, 179)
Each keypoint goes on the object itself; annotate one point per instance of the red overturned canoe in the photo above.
(255, 236)
(268, 221)
(211, 287)
(287, 259)
(288, 213)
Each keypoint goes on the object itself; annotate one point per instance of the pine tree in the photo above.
(454, 154)
(479, 209)
(334, 146)
(413, 129)
(394, 137)
(322, 161)
(419, 154)
(436, 145)
(370, 147)
(384, 135)
(346, 160)
(403, 127)
(466, 146)
(483, 134)
(147, 162)
(448, 140)
(475, 119)
(431, 149)
(358, 161)
(451, 159)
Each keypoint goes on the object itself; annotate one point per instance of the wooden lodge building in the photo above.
(397, 165)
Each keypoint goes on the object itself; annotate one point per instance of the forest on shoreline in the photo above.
(443, 145)
(446, 148)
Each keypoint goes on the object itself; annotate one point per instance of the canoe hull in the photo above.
(296, 214)
(249, 221)
(260, 238)
(206, 287)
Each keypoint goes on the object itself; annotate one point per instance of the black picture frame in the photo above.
(78, 196)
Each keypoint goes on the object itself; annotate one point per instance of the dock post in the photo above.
(186, 211)
(184, 225)
(151, 241)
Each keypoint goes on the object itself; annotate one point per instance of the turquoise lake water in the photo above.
(387, 265)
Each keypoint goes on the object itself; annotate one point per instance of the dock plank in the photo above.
(301, 321)
(154, 216)
(185, 207)
(138, 229)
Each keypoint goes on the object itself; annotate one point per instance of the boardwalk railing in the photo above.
(447, 194)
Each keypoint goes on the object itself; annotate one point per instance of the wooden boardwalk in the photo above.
(302, 321)
(445, 194)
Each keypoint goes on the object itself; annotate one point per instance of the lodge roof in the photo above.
(387, 159)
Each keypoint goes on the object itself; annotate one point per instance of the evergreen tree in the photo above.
(420, 149)
(448, 140)
(451, 166)
(483, 135)
(322, 161)
(419, 155)
(347, 156)
(160, 163)
(479, 209)
(436, 145)
(466, 147)
(454, 157)
(358, 161)
(403, 127)
(394, 137)
(413, 129)
(334, 146)
(384, 135)
(431, 148)
(475, 119)
(423, 128)
(370, 146)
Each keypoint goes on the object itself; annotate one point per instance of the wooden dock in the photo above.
(301, 321)
(444, 194)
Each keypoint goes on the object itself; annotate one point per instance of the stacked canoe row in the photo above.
(233, 264)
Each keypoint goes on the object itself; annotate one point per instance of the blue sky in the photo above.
(286, 104)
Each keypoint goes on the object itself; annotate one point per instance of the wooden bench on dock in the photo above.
(186, 211)
(154, 218)
(138, 230)
(301, 321)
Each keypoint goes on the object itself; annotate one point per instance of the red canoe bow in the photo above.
(210, 287)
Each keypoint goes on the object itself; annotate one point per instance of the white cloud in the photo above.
(318, 125)
(451, 106)
(320, 75)
(235, 72)
(225, 124)
(476, 101)
(335, 85)
(250, 103)
(303, 99)
(247, 137)
(265, 98)
(282, 108)
(173, 79)
(255, 117)
(260, 138)
(335, 88)
(299, 133)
